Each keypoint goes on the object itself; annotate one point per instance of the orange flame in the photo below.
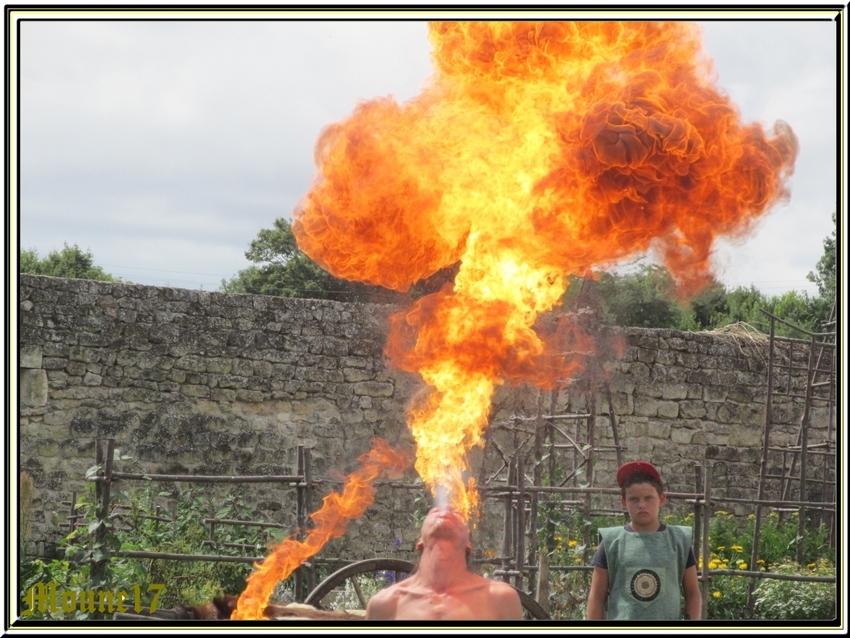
(330, 521)
(537, 150)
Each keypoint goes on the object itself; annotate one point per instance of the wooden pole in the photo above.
(768, 419)
(520, 531)
(300, 521)
(507, 546)
(308, 502)
(701, 559)
(705, 532)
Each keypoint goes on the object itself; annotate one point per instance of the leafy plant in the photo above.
(71, 262)
(795, 600)
(133, 525)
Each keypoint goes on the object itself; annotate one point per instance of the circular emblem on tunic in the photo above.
(645, 585)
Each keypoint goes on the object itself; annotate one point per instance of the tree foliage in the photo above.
(71, 263)
(281, 269)
(824, 274)
(646, 298)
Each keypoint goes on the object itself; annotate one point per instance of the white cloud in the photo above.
(170, 144)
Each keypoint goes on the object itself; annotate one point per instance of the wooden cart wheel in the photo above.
(351, 572)
(402, 568)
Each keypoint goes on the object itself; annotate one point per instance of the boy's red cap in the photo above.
(627, 469)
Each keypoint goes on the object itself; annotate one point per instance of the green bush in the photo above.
(796, 600)
(186, 582)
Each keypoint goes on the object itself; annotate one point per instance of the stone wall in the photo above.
(207, 383)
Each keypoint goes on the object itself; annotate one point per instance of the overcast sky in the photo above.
(164, 147)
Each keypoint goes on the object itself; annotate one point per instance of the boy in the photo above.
(637, 569)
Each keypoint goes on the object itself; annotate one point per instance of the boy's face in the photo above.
(643, 503)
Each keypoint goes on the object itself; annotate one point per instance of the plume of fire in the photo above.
(535, 151)
(330, 521)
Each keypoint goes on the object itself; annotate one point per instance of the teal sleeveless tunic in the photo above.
(645, 571)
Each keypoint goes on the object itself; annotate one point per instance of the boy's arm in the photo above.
(693, 598)
(598, 594)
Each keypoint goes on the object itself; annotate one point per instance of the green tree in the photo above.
(797, 308)
(824, 275)
(645, 299)
(71, 263)
(281, 269)
(742, 305)
(710, 306)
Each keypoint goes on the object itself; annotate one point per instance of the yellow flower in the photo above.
(578, 559)
(573, 543)
(760, 561)
(720, 548)
(716, 594)
(713, 564)
(742, 564)
(811, 565)
(721, 513)
(737, 548)
(751, 516)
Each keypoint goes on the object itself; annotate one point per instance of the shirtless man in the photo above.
(442, 587)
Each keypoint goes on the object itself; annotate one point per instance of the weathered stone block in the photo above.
(263, 369)
(668, 409)
(192, 363)
(53, 363)
(75, 368)
(33, 388)
(687, 360)
(681, 436)
(639, 370)
(674, 391)
(147, 360)
(30, 357)
(195, 390)
(654, 390)
(92, 379)
(242, 368)
(745, 437)
(658, 429)
(251, 396)
(373, 389)
(692, 409)
(646, 356)
(353, 375)
(645, 406)
(665, 357)
(676, 343)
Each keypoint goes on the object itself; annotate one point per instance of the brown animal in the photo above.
(221, 608)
